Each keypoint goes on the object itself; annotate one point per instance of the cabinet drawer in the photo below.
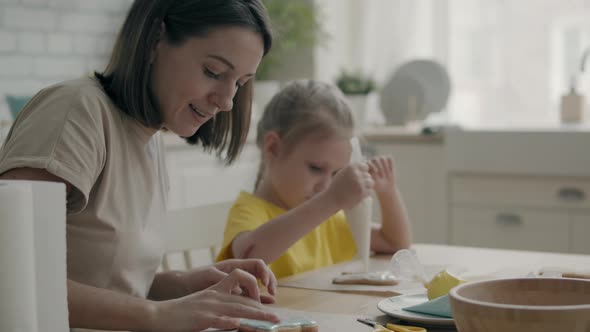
(581, 234)
(510, 229)
(521, 191)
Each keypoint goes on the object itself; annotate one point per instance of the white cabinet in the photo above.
(519, 190)
(580, 234)
(510, 228)
(516, 212)
(198, 178)
(421, 179)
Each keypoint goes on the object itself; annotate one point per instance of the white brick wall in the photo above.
(47, 41)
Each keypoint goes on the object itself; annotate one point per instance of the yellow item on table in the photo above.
(398, 328)
(441, 284)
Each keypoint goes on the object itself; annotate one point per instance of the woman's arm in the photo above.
(169, 285)
(34, 174)
(394, 233)
(216, 307)
(175, 284)
(88, 306)
(269, 241)
(97, 308)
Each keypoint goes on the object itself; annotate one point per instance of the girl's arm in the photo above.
(394, 233)
(269, 241)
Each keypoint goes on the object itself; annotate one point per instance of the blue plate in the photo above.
(394, 307)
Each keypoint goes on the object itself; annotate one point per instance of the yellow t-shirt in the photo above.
(329, 243)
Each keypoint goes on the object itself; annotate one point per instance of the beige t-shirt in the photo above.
(74, 131)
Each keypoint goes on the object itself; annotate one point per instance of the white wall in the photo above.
(46, 41)
(375, 36)
(502, 58)
(500, 54)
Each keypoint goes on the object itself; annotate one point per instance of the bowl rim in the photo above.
(455, 296)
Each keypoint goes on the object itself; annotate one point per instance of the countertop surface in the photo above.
(410, 134)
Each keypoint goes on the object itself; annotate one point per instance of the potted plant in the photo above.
(359, 89)
(296, 26)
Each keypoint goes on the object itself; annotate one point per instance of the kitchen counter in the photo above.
(534, 151)
(410, 134)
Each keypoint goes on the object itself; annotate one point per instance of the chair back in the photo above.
(195, 228)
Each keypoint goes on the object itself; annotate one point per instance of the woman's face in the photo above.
(199, 78)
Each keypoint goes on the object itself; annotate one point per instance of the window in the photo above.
(570, 38)
(512, 60)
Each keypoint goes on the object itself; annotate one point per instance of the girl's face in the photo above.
(199, 78)
(307, 168)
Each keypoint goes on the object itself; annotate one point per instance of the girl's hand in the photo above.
(204, 277)
(351, 185)
(216, 307)
(381, 170)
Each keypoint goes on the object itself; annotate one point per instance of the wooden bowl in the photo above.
(531, 304)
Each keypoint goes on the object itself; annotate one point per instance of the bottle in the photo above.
(572, 106)
(359, 217)
(359, 221)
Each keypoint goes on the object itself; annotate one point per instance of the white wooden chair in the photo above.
(194, 228)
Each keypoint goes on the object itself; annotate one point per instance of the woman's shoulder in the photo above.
(82, 99)
(85, 90)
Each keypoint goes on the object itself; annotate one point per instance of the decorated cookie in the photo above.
(382, 278)
(306, 325)
(290, 325)
(251, 325)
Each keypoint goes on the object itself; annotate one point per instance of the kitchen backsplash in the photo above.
(46, 41)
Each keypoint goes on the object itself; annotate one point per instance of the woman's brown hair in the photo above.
(127, 76)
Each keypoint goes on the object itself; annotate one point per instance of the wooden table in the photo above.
(328, 302)
(478, 262)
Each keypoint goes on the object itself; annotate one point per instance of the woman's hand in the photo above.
(351, 185)
(201, 278)
(381, 170)
(257, 268)
(216, 307)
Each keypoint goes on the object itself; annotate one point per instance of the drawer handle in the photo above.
(571, 194)
(508, 219)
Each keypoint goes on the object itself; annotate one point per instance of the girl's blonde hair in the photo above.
(302, 108)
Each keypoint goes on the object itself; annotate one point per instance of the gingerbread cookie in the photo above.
(382, 278)
(290, 325)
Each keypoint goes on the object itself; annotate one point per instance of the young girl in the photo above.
(294, 219)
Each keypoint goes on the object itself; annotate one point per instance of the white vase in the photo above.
(263, 93)
(362, 106)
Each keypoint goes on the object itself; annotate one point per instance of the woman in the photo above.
(183, 65)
